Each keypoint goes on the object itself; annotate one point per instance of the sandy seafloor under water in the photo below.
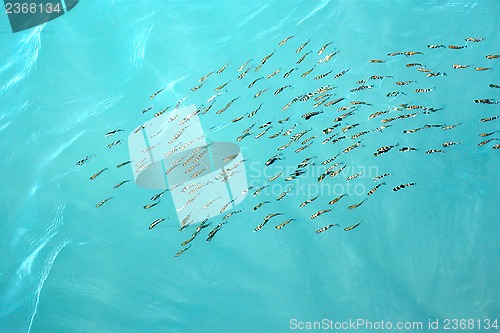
(425, 252)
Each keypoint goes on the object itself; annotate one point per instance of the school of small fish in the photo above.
(328, 116)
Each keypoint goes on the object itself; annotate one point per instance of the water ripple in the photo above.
(52, 156)
(24, 284)
(27, 54)
(49, 262)
(139, 42)
(320, 6)
(251, 16)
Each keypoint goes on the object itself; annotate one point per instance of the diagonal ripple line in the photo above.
(45, 275)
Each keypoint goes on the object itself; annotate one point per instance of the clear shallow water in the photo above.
(427, 252)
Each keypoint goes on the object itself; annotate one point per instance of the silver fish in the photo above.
(113, 132)
(155, 222)
(308, 201)
(325, 228)
(315, 215)
(302, 46)
(121, 183)
(228, 215)
(266, 219)
(226, 205)
(399, 187)
(259, 190)
(244, 65)
(276, 176)
(222, 68)
(260, 204)
(97, 174)
(285, 40)
(188, 202)
(353, 226)
(103, 202)
(375, 188)
(212, 232)
(280, 226)
(112, 144)
(337, 199)
(273, 73)
(156, 93)
(282, 195)
(182, 251)
(356, 205)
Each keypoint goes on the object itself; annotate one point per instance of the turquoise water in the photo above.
(426, 252)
